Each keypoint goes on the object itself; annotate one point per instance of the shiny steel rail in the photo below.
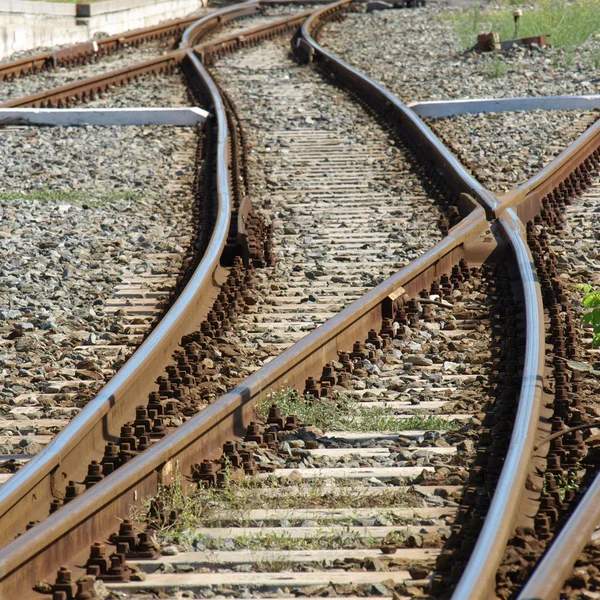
(557, 564)
(92, 87)
(478, 578)
(27, 495)
(96, 513)
(390, 108)
(93, 514)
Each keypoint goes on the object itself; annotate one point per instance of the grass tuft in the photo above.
(567, 23)
(343, 414)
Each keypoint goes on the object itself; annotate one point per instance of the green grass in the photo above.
(197, 507)
(343, 414)
(567, 23)
(72, 196)
(496, 68)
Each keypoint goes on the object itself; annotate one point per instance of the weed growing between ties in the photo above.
(567, 23)
(284, 540)
(344, 414)
(496, 67)
(175, 513)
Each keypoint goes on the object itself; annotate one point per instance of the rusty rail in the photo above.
(80, 53)
(478, 578)
(92, 87)
(94, 514)
(197, 30)
(26, 496)
(531, 197)
(557, 564)
(23, 561)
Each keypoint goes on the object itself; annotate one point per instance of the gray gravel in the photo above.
(80, 208)
(504, 149)
(430, 64)
(149, 90)
(304, 135)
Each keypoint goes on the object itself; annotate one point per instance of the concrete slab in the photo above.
(450, 108)
(381, 473)
(197, 581)
(103, 117)
(229, 533)
(216, 558)
(335, 514)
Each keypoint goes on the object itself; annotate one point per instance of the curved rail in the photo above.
(66, 95)
(69, 94)
(192, 35)
(478, 578)
(24, 492)
(557, 564)
(28, 493)
(387, 104)
(95, 514)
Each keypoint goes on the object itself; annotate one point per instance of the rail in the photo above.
(95, 514)
(79, 53)
(528, 198)
(32, 488)
(192, 35)
(391, 108)
(557, 563)
(478, 578)
(27, 496)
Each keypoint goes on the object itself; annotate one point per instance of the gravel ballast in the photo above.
(504, 149)
(80, 209)
(428, 63)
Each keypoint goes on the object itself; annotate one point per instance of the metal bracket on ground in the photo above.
(451, 108)
(103, 117)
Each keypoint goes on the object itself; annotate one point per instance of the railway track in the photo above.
(422, 377)
(138, 303)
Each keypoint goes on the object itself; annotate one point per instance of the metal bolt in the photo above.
(517, 14)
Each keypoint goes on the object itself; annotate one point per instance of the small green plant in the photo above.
(343, 414)
(595, 59)
(274, 565)
(569, 57)
(564, 483)
(496, 67)
(591, 301)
